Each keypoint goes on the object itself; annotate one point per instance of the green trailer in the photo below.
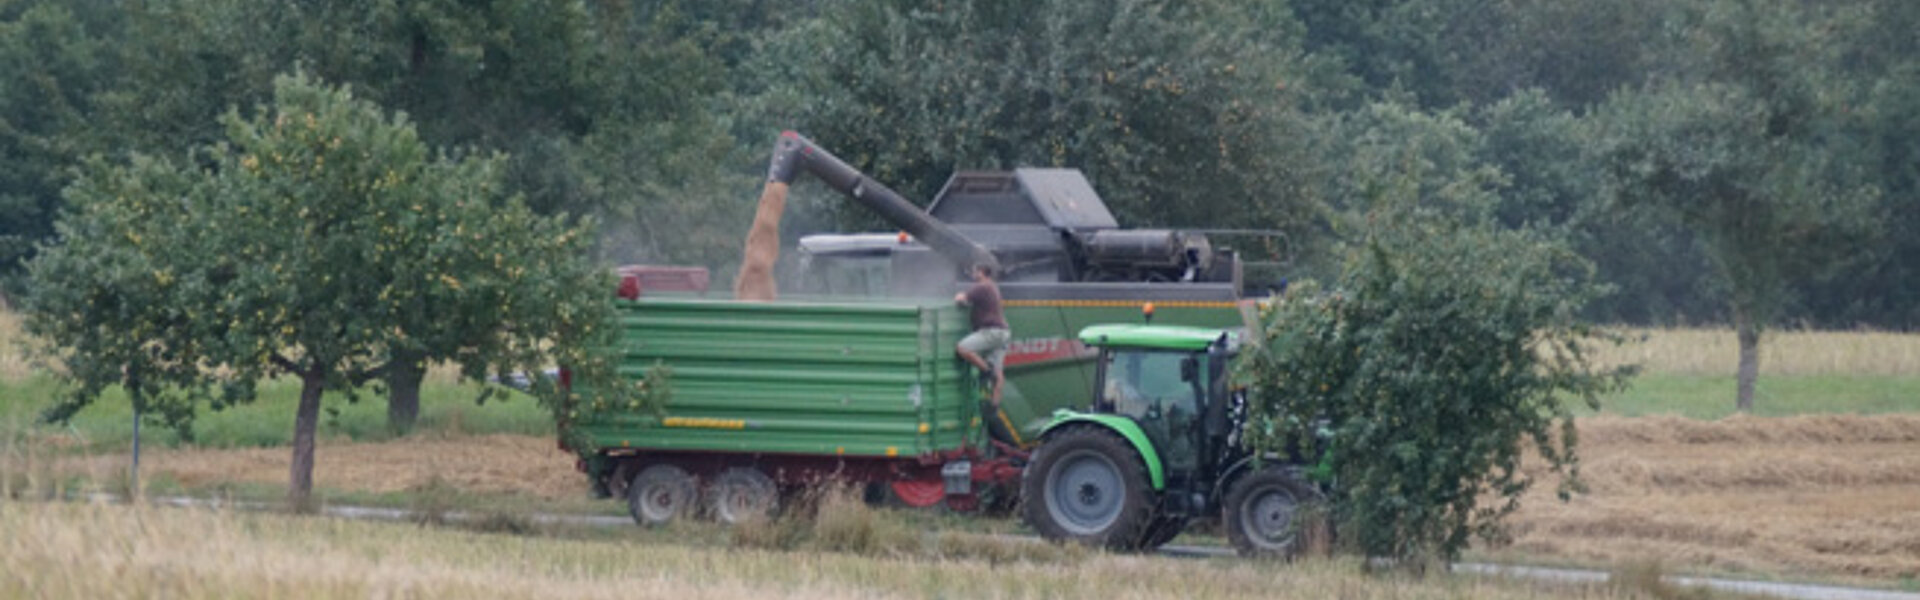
(771, 398)
(768, 397)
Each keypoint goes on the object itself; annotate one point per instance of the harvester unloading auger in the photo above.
(794, 153)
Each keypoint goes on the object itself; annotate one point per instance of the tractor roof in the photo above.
(1169, 337)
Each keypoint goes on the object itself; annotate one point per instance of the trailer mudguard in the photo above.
(1127, 429)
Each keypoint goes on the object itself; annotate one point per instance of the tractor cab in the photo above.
(1171, 381)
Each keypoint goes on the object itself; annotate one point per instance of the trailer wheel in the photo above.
(659, 494)
(1273, 513)
(1087, 486)
(742, 494)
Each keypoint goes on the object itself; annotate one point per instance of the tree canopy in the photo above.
(323, 240)
(1441, 354)
(654, 114)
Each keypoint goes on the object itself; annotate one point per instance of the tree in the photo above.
(1879, 58)
(1422, 48)
(1652, 269)
(321, 240)
(1442, 353)
(1181, 114)
(1739, 148)
(52, 67)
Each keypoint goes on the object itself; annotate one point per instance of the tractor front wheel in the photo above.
(1088, 486)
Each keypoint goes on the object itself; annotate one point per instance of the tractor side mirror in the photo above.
(1189, 369)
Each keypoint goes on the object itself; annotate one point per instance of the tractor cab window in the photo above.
(1147, 384)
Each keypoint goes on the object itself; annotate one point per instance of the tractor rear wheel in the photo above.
(742, 494)
(1273, 513)
(659, 494)
(1088, 486)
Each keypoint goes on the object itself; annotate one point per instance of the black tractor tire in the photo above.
(1274, 513)
(661, 493)
(742, 494)
(1086, 485)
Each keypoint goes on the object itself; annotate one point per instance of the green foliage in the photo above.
(651, 393)
(1651, 266)
(1768, 206)
(321, 239)
(1441, 355)
(51, 66)
(1179, 113)
(105, 296)
(1392, 151)
(654, 115)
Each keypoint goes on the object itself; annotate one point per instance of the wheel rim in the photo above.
(1268, 517)
(1085, 493)
(741, 496)
(662, 493)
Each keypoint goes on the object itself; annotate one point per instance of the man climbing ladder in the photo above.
(986, 347)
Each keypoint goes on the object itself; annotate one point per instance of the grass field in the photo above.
(1689, 372)
(1823, 482)
(96, 551)
(1822, 497)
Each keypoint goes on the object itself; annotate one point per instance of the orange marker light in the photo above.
(904, 237)
(1146, 310)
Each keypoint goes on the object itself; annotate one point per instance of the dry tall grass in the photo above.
(93, 551)
(14, 363)
(1782, 352)
(1830, 496)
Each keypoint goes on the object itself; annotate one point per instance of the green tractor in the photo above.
(1160, 446)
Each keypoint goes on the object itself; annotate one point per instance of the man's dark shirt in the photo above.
(984, 298)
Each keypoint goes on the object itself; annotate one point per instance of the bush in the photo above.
(1420, 378)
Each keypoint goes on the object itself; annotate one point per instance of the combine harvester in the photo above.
(1116, 435)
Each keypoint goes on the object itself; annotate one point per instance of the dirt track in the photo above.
(1829, 495)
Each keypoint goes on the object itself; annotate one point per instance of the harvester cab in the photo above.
(1158, 446)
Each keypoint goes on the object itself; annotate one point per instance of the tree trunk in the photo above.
(403, 391)
(1749, 334)
(305, 421)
